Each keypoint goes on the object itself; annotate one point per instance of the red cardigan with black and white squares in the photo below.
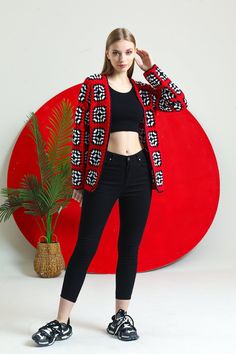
(93, 119)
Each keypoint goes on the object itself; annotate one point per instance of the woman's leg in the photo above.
(121, 304)
(65, 307)
(96, 208)
(134, 205)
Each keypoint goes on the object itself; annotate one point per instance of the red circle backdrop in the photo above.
(178, 218)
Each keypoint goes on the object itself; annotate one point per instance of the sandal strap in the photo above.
(126, 329)
(125, 323)
(51, 327)
(46, 334)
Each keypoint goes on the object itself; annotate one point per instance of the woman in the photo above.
(116, 156)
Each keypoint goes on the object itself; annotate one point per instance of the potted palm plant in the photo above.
(46, 196)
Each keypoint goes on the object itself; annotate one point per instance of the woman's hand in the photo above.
(78, 195)
(144, 59)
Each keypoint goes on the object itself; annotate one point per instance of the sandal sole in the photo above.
(56, 339)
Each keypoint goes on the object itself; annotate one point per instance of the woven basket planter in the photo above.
(48, 261)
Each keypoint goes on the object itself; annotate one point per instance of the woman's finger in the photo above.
(143, 53)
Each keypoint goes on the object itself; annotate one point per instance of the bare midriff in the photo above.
(124, 143)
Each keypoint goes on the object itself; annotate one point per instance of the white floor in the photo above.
(187, 307)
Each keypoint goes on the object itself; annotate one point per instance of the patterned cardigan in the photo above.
(92, 124)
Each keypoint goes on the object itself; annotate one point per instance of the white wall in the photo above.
(50, 45)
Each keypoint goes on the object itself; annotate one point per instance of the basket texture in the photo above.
(48, 261)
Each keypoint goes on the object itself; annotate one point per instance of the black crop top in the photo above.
(126, 110)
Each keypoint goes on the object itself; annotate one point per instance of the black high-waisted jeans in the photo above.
(127, 178)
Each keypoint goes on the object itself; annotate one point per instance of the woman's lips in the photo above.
(122, 65)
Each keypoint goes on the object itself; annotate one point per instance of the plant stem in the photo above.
(37, 222)
(55, 222)
(49, 228)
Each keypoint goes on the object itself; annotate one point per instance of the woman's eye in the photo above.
(126, 53)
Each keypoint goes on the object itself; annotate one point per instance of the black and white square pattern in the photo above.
(76, 178)
(79, 114)
(153, 138)
(159, 178)
(166, 94)
(156, 155)
(95, 76)
(161, 74)
(76, 157)
(95, 157)
(153, 80)
(186, 102)
(174, 87)
(99, 114)
(99, 92)
(76, 136)
(154, 100)
(145, 97)
(98, 136)
(150, 118)
(164, 105)
(82, 93)
(177, 106)
(91, 177)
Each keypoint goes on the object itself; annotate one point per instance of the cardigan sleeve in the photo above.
(79, 145)
(166, 95)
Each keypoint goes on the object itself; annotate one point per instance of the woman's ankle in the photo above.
(62, 320)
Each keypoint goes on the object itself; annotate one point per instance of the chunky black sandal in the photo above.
(52, 331)
(122, 326)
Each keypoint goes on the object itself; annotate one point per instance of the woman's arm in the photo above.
(79, 136)
(167, 94)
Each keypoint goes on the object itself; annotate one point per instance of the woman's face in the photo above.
(121, 55)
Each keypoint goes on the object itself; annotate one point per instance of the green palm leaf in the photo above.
(52, 192)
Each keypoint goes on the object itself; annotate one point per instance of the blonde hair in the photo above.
(116, 35)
